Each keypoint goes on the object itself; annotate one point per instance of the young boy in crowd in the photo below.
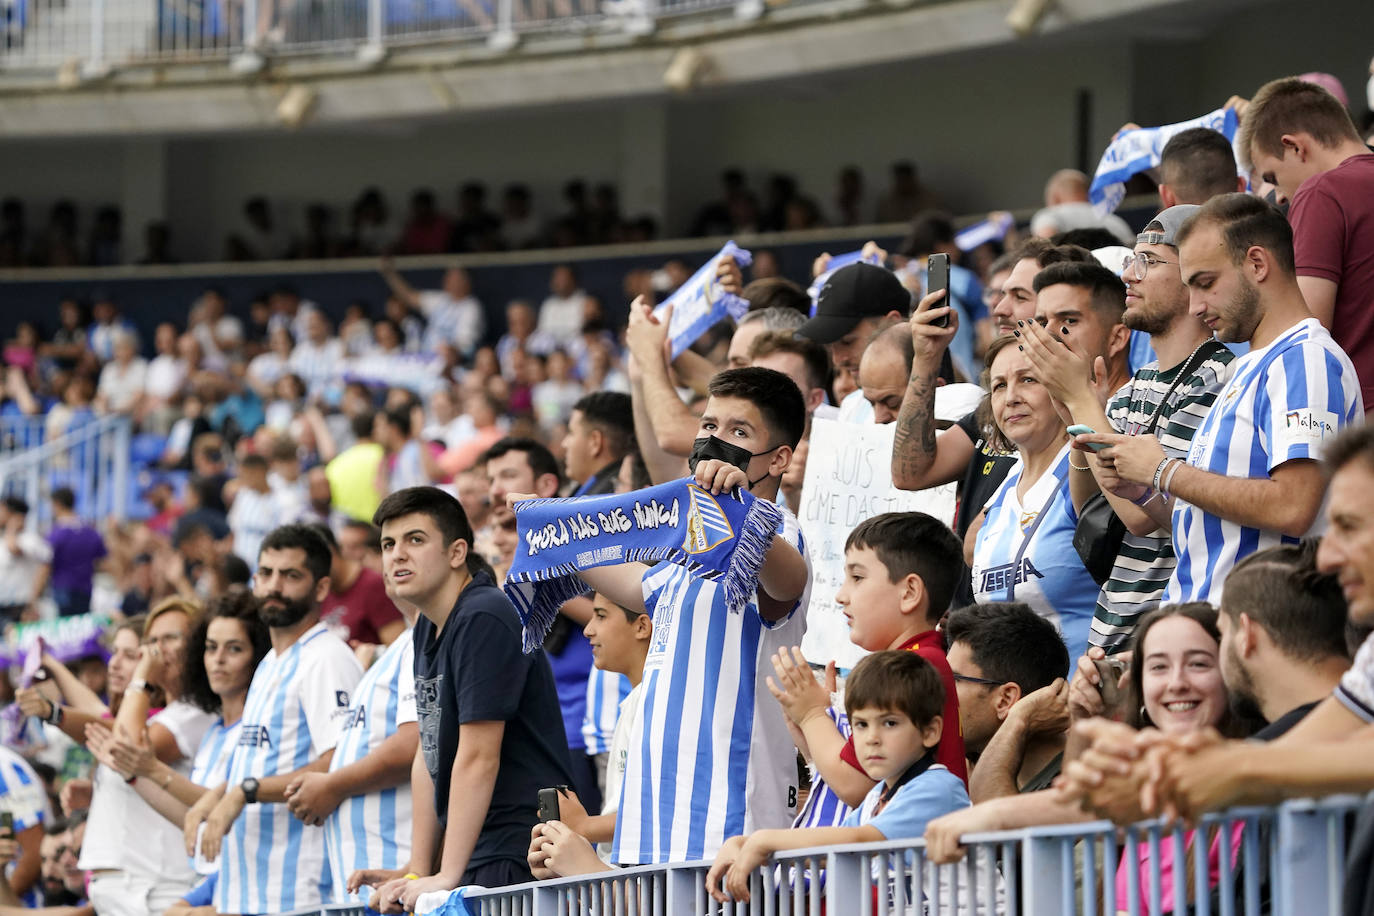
(620, 643)
(710, 756)
(901, 569)
(893, 700)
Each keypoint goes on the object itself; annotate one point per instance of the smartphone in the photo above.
(1110, 671)
(7, 823)
(1078, 429)
(548, 803)
(937, 278)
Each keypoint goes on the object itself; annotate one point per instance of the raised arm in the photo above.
(399, 287)
(673, 424)
(922, 458)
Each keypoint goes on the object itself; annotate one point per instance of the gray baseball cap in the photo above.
(1163, 229)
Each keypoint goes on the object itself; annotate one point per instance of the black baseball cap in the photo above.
(852, 294)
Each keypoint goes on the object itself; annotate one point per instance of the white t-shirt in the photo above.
(19, 570)
(119, 814)
(165, 376)
(121, 385)
(630, 710)
(560, 317)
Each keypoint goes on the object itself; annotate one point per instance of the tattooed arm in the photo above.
(920, 457)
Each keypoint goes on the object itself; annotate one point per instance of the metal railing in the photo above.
(1284, 860)
(92, 459)
(86, 38)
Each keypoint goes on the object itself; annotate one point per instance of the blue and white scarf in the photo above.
(1135, 151)
(700, 302)
(719, 537)
(988, 230)
(834, 264)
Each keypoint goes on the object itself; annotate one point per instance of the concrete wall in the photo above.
(986, 126)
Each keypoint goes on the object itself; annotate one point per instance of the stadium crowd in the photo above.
(368, 226)
(1154, 597)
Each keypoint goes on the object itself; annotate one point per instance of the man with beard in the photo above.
(1282, 625)
(1251, 479)
(1169, 397)
(296, 707)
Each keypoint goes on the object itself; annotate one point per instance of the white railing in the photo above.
(82, 39)
(92, 459)
(1284, 860)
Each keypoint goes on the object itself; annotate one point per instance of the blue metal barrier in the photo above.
(93, 460)
(1285, 860)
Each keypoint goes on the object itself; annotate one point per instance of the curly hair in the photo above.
(237, 604)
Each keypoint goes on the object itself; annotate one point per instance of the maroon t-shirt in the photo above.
(950, 751)
(1333, 239)
(362, 610)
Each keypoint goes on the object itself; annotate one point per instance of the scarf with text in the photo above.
(718, 537)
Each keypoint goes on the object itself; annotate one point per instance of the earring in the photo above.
(1144, 716)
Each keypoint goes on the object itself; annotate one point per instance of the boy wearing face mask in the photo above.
(710, 756)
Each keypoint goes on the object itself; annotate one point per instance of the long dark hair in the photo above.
(1204, 615)
(237, 603)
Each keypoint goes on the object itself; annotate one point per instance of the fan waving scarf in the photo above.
(720, 537)
(700, 303)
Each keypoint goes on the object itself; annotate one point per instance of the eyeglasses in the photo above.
(1136, 266)
(968, 679)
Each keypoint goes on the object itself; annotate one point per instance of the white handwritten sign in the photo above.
(848, 479)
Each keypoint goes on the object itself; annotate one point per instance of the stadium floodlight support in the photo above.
(1025, 15)
(688, 68)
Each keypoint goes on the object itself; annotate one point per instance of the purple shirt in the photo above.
(74, 552)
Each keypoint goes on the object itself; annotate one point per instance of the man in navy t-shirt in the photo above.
(491, 735)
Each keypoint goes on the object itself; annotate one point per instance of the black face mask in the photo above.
(708, 447)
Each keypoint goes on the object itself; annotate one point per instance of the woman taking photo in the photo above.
(1022, 542)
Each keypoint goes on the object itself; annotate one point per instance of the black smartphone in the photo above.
(937, 278)
(7, 823)
(548, 803)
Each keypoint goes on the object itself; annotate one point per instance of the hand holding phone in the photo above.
(7, 824)
(1078, 429)
(1110, 671)
(937, 278)
(548, 803)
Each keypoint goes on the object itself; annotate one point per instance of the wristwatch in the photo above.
(138, 683)
(250, 790)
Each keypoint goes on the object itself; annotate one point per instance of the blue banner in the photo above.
(834, 264)
(1135, 151)
(722, 537)
(700, 303)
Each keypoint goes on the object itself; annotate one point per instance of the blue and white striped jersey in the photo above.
(252, 517)
(459, 323)
(606, 690)
(1282, 402)
(373, 830)
(211, 768)
(270, 861)
(710, 756)
(1017, 559)
(23, 796)
(823, 807)
(21, 791)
